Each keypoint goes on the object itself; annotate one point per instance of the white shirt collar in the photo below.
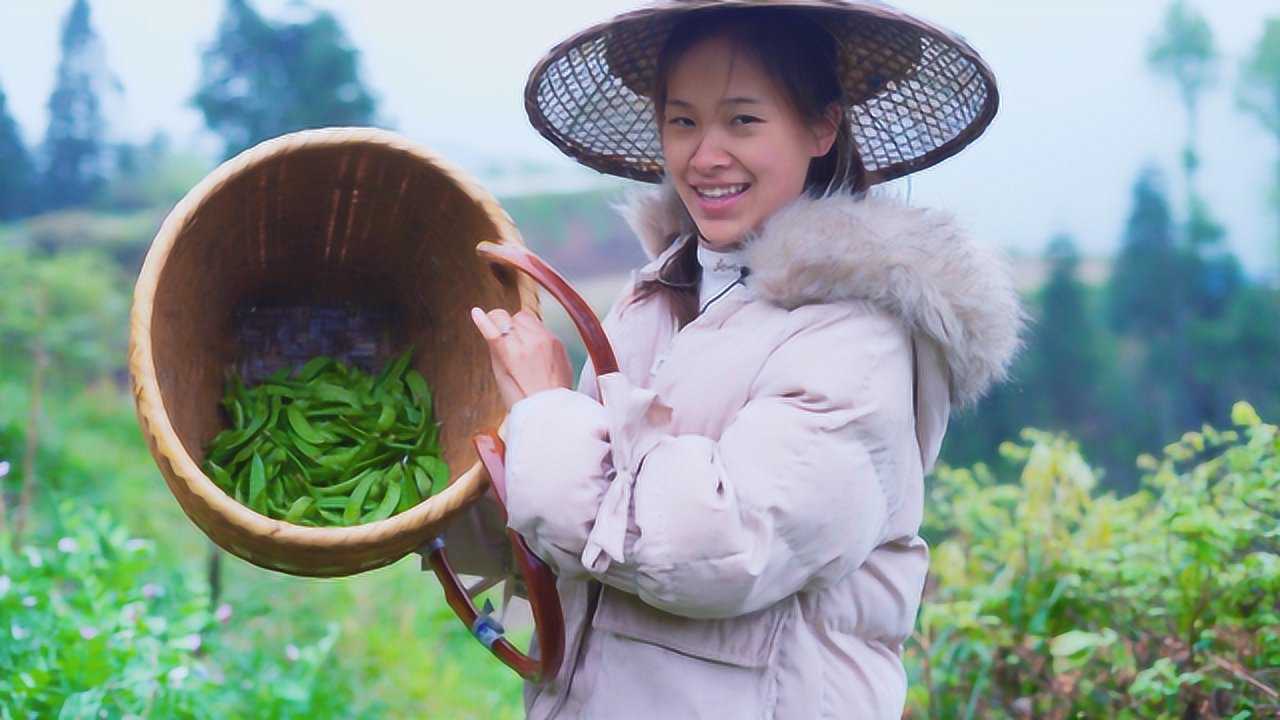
(720, 269)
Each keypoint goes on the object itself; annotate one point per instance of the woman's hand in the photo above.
(526, 357)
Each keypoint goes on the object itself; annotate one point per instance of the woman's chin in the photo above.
(720, 235)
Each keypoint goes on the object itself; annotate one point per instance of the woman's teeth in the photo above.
(722, 191)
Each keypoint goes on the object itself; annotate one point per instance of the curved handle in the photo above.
(583, 317)
(548, 617)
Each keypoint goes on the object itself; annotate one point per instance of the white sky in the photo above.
(1080, 113)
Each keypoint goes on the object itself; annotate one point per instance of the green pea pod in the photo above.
(437, 469)
(332, 503)
(328, 392)
(387, 417)
(418, 386)
(341, 488)
(299, 509)
(409, 495)
(237, 414)
(351, 513)
(219, 476)
(386, 507)
(257, 484)
(422, 480)
(302, 427)
(313, 368)
(332, 518)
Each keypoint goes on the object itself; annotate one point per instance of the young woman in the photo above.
(733, 517)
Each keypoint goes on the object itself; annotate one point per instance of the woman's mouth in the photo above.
(719, 198)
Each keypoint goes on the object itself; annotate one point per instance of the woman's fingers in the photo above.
(484, 324)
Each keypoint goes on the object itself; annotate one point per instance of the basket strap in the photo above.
(548, 617)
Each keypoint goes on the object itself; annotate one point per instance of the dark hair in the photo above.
(800, 56)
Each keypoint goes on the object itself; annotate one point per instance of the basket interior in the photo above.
(355, 251)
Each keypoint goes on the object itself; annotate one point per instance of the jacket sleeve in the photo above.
(796, 492)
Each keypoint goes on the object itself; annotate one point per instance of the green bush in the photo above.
(93, 628)
(1048, 601)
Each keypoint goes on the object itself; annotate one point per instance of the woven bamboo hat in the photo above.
(917, 94)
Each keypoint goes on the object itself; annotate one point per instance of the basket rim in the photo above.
(150, 402)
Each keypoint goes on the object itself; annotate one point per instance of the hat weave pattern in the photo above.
(916, 94)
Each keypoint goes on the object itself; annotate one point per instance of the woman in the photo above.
(733, 517)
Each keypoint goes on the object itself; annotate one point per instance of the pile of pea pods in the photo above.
(329, 444)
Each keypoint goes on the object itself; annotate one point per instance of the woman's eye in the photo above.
(745, 119)
(680, 122)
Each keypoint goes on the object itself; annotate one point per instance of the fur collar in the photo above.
(914, 263)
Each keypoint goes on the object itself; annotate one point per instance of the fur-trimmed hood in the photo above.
(914, 263)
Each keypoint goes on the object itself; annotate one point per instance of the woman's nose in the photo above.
(710, 155)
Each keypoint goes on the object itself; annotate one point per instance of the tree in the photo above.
(74, 147)
(1184, 51)
(260, 79)
(1149, 303)
(1065, 346)
(17, 173)
(1259, 96)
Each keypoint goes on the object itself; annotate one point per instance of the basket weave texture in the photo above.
(353, 230)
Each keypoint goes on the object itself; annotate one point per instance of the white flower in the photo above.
(18, 632)
(4, 468)
(178, 674)
(129, 613)
(5, 584)
(152, 590)
(29, 601)
(68, 545)
(190, 642)
(136, 544)
(88, 633)
(223, 613)
(291, 652)
(33, 556)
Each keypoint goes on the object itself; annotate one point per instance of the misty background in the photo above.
(1080, 112)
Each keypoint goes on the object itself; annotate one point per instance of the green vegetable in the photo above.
(329, 444)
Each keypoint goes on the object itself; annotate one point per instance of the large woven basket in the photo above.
(347, 241)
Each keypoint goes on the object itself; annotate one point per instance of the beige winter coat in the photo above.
(735, 527)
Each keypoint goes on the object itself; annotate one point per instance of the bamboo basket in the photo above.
(348, 241)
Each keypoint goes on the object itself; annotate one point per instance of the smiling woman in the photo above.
(733, 514)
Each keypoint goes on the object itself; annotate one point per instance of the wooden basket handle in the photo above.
(539, 579)
(580, 312)
(548, 618)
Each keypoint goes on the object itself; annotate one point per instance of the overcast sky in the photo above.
(1080, 114)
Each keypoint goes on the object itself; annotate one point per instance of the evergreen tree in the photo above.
(17, 174)
(1065, 346)
(1184, 51)
(1149, 305)
(261, 79)
(75, 149)
(1259, 96)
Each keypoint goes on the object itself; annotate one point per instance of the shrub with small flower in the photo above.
(1047, 601)
(91, 627)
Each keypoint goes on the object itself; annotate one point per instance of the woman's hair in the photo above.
(800, 56)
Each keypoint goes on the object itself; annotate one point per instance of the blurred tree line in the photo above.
(259, 78)
(1177, 333)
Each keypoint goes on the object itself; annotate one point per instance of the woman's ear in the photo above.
(825, 129)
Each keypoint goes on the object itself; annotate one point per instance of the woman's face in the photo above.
(734, 146)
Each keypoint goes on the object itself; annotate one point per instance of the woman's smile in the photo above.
(718, 201)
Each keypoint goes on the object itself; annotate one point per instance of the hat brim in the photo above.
(917, 94)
